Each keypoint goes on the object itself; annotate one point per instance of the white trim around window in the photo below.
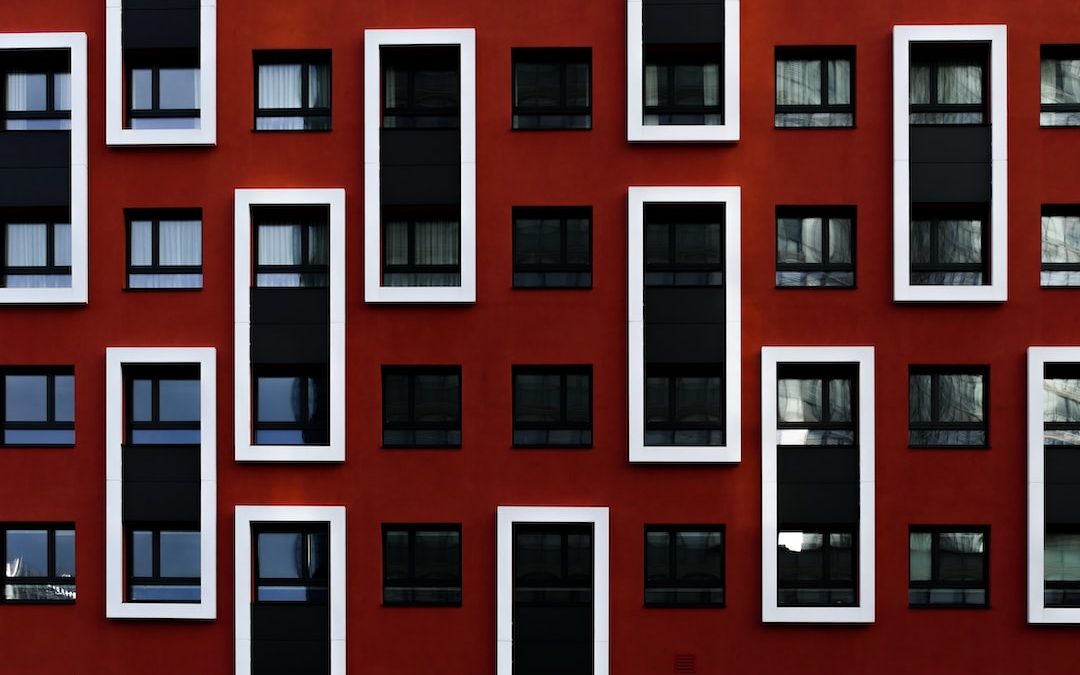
(334, 516)
(771, 611)
(507, 517)
(636, 129)
(997, 290)
(730, 197)
(78, 293)
(374, 40)
(115, 133)
(245, 448)
(115, 574)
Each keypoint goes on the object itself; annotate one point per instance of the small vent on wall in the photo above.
(685, 664)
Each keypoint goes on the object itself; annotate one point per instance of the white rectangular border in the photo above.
(374, 40)
(903, 290)
(771, 611)
(115, 133)
(245, 449)
(507, 516)
(731, 197)
(115, 360)
(334, 516)
(636, 129)
(75, 43)
(1037, 611)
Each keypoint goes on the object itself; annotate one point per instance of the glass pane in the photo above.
(141, 401)
(799, 400)
(318, 245)
(800, 556)
(961, 557)
(317, 555)
(839, 400)
(28, 553)
(798, 240)
(437, 555)
(65, 398)
(1061, 239)
(840, 557)
(180, 554)
(577, 84)
(179, 400)
(959, 241)
(960, 398)
(27, 244)
(26, 92)
(578, 557)
(577, 241)
(396, 398)
(697, 399)
(698, 244)
(539, 241)
(537, 398)
(435, 88)
(279, 245)
(920, 556)
(1061, 400)
(657, 399)
(537, 557)
(537, 84)
(699, 556)
(798, 82)
(839, 81)
(959, 82)
(26, 398)
(1062, 557)
(840, 249)
(657, 559)
(919, 398)
(142, 242)
(919, 83)
(278, 399)
(396, 554)
(142, 89)
(280, 555)
(179, 88)
(689, 85)
(436, 398)
(1060, 81)
(62, 244)
(437, 242)
(578, 401)
(62, 91)
(279, 86)
(142, 554)
(65, 553)
(319, 85)
(181, 242)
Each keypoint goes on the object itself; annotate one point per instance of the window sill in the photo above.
(948, 447)
(42, 446)
(399, 605)
(420, 447)
(655, 605)
(921, 607)
(291, 131)
(515, 446)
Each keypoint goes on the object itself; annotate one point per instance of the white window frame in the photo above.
(245, 516)
(245, 448)
(77, 294)
(1037, 611)
(731, 198)
(636, 129)
(115, 133)
(374, 40)
(507, 516)
(903, 289)
(771, 610)
(115, 574)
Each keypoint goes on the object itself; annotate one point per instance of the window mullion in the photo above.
(50, 399)
(304, 87)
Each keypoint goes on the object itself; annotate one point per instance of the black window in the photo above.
(553, 247)
(816, 566)
(163, 562)
(37, 89)
(421, 564)
(684, 245)
(1060, 246)
(684, 405)
(35, 249)
(948, 84)
(683, 85)
(291, 405)
(815, 247)
(164, 249)
(292, 247)
(162, 88)
(552, 88)
(421, 406)
(552, 406)
(947, 406)
(949, 247)
(1061, 567)
(421, 87)
(39, 562)
(39, 406)
(816, 405)
(421, 247)
(949, 567)
(292, 562)
(163, 405)
(684, 566)
(292, 91)
(1060, 86)
(815, 86)
(1061, 405)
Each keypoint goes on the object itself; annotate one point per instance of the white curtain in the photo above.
(26, 244)
(960, 241)
(25, 92)
(652, 85)
(318, 86)
(811, 240)
(710, 80)
(798, 400)
(959, 83)
(62, 244)
(920, 556)
(798, 82)
(180, 242)
(839, 81)
(437, 243)
(142, 242)
(1060, 81)
(62, 91)
(279, 86)
(397, 243)
(919, 84)
(840, 240)
(1062, 557)
(279, 244)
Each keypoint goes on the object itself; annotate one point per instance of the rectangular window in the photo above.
(292, 563)
(292, 246)
(815, 87)
(684, 566)
(817, 567)
(948, 84)
(162, 89)
(949, 249)
(947, 406)
(291, 405)
(421, 247)
(684, 245)
(421, 406)
(1060, 86)
(164, 563)
(35, 250)
(421, 87)
(39, 562)
(37, 90)
(421, 564)
(815, 247)
(684, 405)
(292, 91)
(1061, 572)
(949, 567)
(816, 405)
(39, 406)
(683, 86)
(162, 405)
(164, 249)
(552, 406)
(552, 88)
(1060, 246)
(552, 247)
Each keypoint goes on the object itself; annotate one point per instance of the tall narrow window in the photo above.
(39, 563)
(38, 406)
(36, 251)
(552, 247)
(37, 90)
(292, 91)
(292, 247)
(815, 247)
(949, 249)
(422, 406)
(948, 84)
(1060, 86)
(421, 247)
(552, 406)
(1060, 246)
(948, 567)
(552, 88)
(421, 564)
(684, 566)
(815, 87)
(164, 249)
(947, 407)
(816, 567)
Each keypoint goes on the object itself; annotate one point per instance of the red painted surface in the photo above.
(506, 327)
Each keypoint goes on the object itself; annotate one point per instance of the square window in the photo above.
(815, 87)
(949, 247)
(948, 567)
(421, 564)
(1060, 246)
(552, 88)
(39, 563)
(684, 245)
(421, 87)
(291, 405)
(552, 247)
(947, 406)
(162, 405)
(816, 405)
(37, 90)
(684, 566)
(292, 91)
(164, 249)
(292, 563)
(162, 88)
(38, 406)
(292, 246)
(1060, 86)
(421, 247)
(948, 84)
(816, 567)
(815, 247)
(163, 562)
(552, 406)
(1061, 567)
(684, 405)
(683, 85)
(421, 406)
(35, 249)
